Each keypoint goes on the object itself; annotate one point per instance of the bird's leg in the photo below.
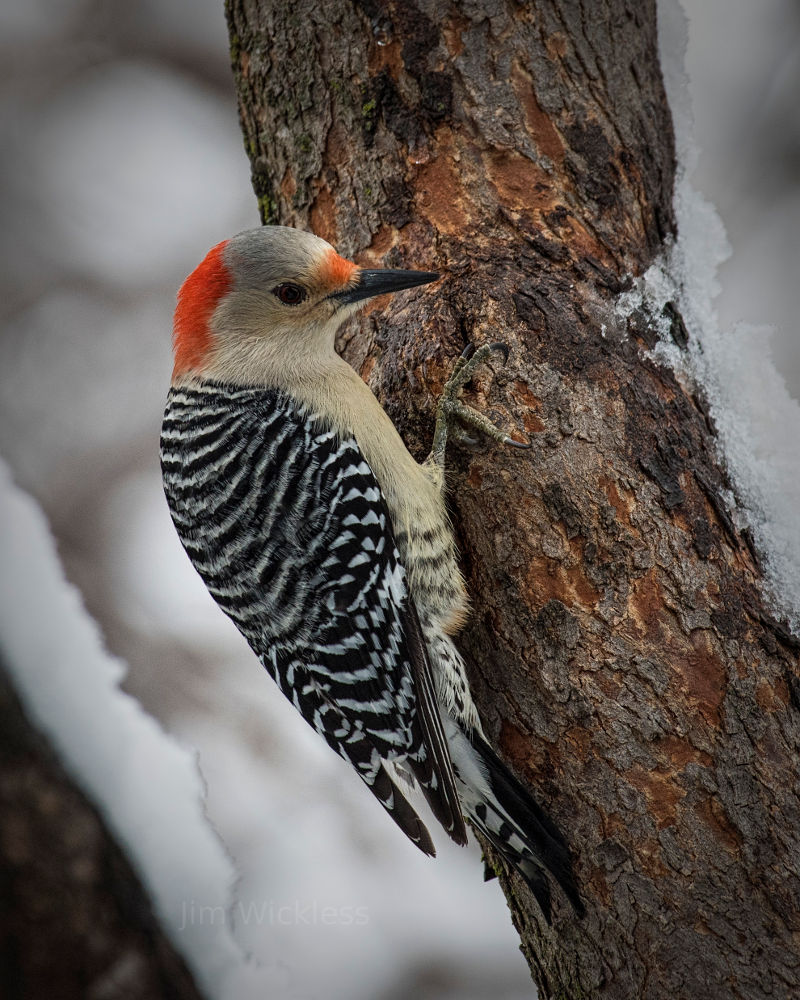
(450, 407)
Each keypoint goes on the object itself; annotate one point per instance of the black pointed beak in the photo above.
(372, 283)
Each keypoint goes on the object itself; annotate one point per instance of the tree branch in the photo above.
(75, 920)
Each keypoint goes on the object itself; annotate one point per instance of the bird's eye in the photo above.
(289, 294)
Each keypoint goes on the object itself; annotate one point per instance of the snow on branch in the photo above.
(757, 420)
(146, 786)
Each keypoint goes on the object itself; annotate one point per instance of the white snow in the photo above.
(147, 787)
(757, 419)
(746, 137)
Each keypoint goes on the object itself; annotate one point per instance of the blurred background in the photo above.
(123, 163)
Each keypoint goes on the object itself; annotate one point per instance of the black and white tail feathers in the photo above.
(503, 811)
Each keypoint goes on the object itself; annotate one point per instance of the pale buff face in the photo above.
(269, 267)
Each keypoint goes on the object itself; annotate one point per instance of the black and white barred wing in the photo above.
(363, 678)
(294, 542)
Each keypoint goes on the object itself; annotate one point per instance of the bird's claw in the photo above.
(517, 444)
(469, 360)
(497, 345)
(451, 408)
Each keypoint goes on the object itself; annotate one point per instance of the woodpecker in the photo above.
(327, 544)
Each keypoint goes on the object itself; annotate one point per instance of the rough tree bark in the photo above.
(623, 657)
(75, 923)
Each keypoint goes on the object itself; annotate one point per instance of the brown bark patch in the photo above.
(556, 45)
(288, 185)
(367, 367)
(532, 423)
(608, 684)
(381, 243)
(679, 752)
(540, 127)
(475, 477)
(323, 216)
(439, 191)
(337, 151)
(650, 858)
(531, 420)
(585, 244)
(452, 32)
(520, 184)
(385, 54)
(548, 579)
(600, 885)
(646, 605)
(535, 756)
(579, 741)
(623, 507)
(702, 674)
(713, 816)
(661, 793)
(523, 393)
(772, 698)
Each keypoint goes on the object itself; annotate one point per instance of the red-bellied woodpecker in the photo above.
(327, 544)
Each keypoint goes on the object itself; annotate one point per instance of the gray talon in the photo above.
(518, 444)
(451, 408)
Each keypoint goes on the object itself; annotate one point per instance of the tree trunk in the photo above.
(75, 923)
(623, 658)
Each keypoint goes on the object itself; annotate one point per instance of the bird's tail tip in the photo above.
(523, 833)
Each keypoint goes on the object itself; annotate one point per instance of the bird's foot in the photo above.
(451, 409)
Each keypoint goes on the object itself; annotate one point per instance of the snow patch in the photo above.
(147, 787)
(757, 420)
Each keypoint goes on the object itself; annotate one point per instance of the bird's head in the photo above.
(271, 296)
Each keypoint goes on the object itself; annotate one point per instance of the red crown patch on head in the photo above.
(336, 271)
(197, 299)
